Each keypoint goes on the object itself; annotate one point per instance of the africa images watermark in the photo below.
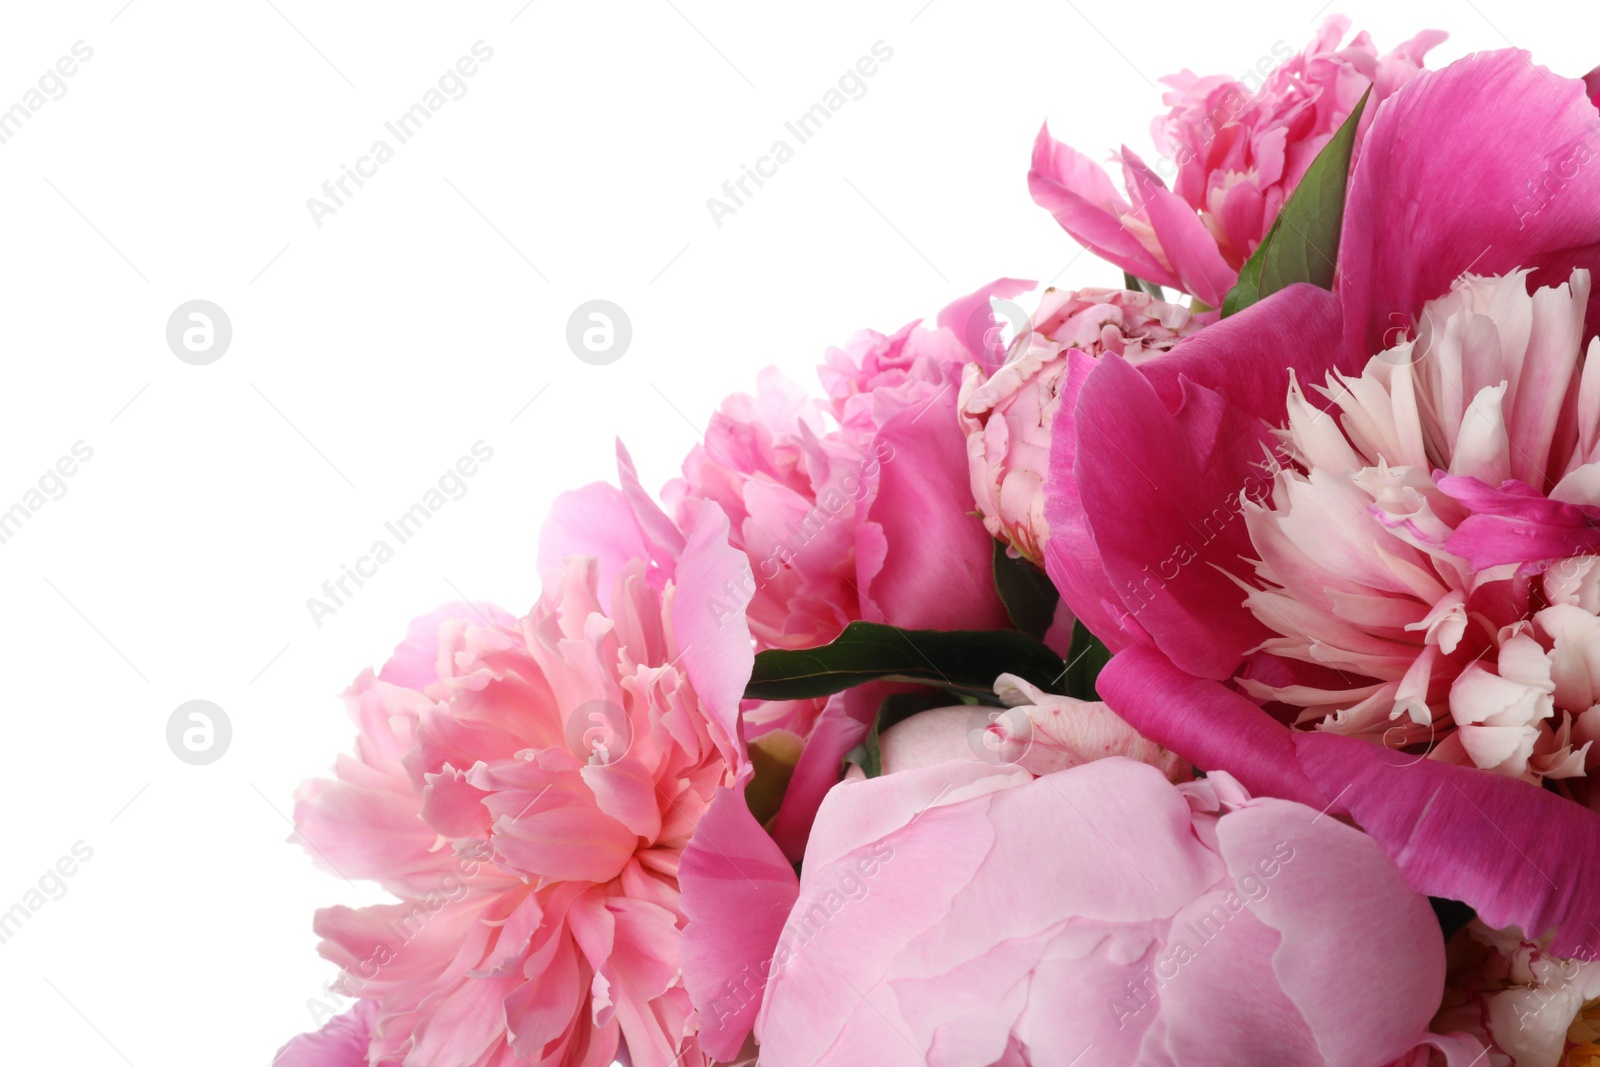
(51, 885)
(52, 85)
(336, 191)
(402, 528)
(1249, 888)
(52, 485)
(802, 129)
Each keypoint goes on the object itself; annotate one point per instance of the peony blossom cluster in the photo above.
(1212, 680)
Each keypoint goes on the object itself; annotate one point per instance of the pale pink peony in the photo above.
(527, 794)
(1007, 415)
(1239, 151)
(962, 913)
(1399, 615)
(1523, 1002)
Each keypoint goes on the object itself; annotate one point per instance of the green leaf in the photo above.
(1139, 285)
(1084, 660)
(1303, 243)
(966, 661)
(1026, 591)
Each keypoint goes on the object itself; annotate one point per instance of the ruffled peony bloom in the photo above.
(963, 913)
(1433, 619)
(527, 794)
(847, 507)
(1366, 575)
(1007, 415)
(1527, 1006)
(1239, 153)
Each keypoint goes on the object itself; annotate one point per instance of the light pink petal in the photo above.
(738, 888)
(971, 319)
(842, 726)
(1536, 206)
(1305, 866)
(414, 664)
(714, 586)
(342, 1042)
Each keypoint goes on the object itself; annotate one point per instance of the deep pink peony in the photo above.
(1239, 151)
(963, 913)
(1007, 415)
(527, 793)
(1392, 509)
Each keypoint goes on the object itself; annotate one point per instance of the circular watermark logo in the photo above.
(1000, 736)
(198, 732)
(987, 333)
(599, 332)
(599, 732)
(199, 332)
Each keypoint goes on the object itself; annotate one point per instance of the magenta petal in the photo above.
(840, 727)
(1161, 491)
(737, 891)
(414, 664)
(1188, 244)
(1071, 557)
(1079, 193)
(1206, 723)
(342, 1042)
(1516, 523)
(714, 585)
(1591, 85)
(1428, 200)
(1520, 855)
(1248, 356)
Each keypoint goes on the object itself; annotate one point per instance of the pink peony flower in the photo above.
(528, 795)
(963, 913)
(1523, 1003)
(1392, 551)
(1007, 415)
(1239, 152)
(1383, 626)
(854, 506)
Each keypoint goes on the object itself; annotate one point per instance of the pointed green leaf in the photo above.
(961, 661)
(1303, 243)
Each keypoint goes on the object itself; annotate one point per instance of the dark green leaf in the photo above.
(1028, 594)
(959, 660)
(1303, 243)
(1139, 285)
(1084, 660)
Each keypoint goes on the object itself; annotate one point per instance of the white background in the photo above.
(421, 317)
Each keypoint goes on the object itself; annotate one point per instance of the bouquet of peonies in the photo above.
(1198, 678)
